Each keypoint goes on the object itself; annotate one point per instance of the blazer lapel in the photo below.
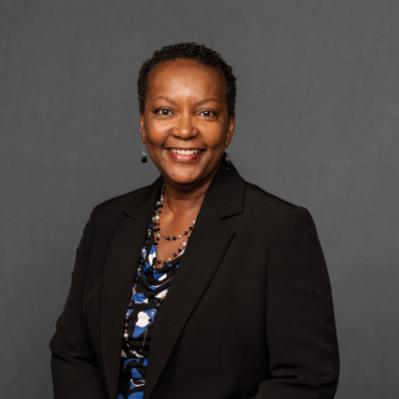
(208, 242)
(211, 236)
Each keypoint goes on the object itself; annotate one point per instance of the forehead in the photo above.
(174, 74)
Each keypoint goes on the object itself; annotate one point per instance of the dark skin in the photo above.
(185, 108)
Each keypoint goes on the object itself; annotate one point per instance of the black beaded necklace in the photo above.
(158, 236)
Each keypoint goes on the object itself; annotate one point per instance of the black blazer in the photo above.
(248, 315)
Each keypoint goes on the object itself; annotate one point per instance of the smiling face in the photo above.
(185, 125)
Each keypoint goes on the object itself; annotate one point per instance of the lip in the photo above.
(184, 158)
(186, 148)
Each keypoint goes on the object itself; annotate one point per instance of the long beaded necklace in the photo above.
(158, 236)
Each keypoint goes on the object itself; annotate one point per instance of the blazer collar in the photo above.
(211, 235)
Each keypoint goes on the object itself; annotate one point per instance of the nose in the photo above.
(185, 127)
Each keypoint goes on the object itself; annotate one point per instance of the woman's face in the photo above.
(185, 124)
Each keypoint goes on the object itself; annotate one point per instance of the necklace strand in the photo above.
(158, 236)
(156, 228)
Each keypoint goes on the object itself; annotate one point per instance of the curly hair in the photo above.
(190, 50)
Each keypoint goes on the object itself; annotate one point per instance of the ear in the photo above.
(231, 125)
(142, 129)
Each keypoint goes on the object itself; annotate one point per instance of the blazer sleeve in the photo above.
(74, 365)
(300, 325)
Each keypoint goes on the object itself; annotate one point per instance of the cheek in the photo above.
(156, 133)
(214, 137)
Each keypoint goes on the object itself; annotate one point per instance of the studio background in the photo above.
(317, 124)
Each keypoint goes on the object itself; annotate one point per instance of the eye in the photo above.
(209, 113)
(162, 111)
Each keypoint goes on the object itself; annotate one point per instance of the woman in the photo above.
(200, 285)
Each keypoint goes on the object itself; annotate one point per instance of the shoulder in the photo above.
(267, 206)
(263, 200)
(112, 208)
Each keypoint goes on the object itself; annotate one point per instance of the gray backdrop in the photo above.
(317, 124)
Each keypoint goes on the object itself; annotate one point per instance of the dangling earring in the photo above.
(227, 159)
(144, 158)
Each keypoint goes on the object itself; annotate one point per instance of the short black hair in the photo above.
(190, 50)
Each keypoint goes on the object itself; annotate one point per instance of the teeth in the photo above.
(184, 152)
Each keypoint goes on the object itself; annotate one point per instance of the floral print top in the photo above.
(150, 288)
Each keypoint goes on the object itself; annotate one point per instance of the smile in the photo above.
(184, 151)
(185, 154)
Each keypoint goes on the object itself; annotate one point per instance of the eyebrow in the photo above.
(197, 103)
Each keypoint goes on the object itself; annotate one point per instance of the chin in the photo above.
(184, 177)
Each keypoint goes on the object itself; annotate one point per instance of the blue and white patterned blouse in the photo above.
(150, 288)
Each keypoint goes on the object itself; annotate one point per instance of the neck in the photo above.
(183, 199)
(177, 202)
